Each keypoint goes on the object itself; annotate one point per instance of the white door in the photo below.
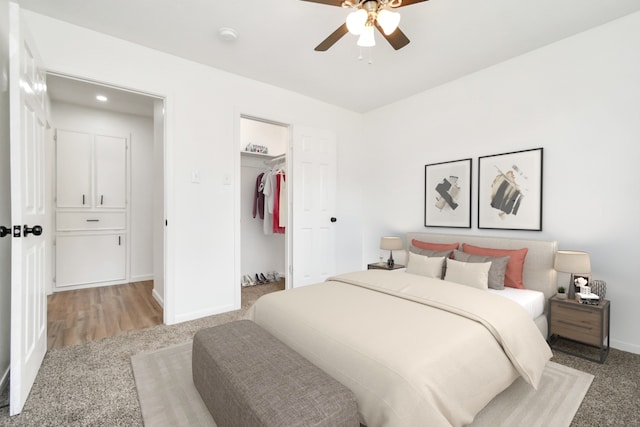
(313, 205)
(27, 137)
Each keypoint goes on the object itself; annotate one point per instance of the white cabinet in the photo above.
(110, 172)
(91, 210)
(86, 258)
(91, 170)
(73, 169)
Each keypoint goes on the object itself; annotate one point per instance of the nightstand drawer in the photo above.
(579, 322)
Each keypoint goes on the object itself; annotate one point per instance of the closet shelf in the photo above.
(259, 155)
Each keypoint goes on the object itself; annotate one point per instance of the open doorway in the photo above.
(107, 196)
(264, 207)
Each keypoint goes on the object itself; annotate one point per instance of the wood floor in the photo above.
(77, 317)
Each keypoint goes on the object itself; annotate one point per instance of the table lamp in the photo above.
(575, 262)
(390, 244)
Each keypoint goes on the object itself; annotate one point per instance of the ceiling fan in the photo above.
(368, 14)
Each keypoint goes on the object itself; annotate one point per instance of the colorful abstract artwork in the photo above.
(447, 194)
(510, 190)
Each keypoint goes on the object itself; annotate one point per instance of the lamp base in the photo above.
(390, 261)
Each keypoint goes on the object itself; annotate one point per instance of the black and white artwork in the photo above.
(447, 191)
(510, 190)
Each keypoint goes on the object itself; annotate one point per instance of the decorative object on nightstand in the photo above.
(562, 294)
(578, 264)
(390, 244)
(599, 287)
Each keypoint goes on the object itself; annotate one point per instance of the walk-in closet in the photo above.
(264, 200)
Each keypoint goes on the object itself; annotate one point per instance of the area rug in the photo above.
(168, 397)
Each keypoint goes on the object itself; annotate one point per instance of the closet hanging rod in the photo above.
(276, 159)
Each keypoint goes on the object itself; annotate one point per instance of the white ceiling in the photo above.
(449, 39)
(62, 89)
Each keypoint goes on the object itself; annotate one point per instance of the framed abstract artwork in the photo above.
(447, 194)
(510, 191)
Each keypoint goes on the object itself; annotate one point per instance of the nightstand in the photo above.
(383, 266)
(582, 323)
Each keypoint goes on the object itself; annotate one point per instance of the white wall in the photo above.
(202, 108)
(139, 131)
(580, 100)
(5, 198)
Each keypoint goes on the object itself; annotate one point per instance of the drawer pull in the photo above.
(93, 220)
(579, 325)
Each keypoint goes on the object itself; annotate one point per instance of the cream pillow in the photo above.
(474, 274)
(425, 266)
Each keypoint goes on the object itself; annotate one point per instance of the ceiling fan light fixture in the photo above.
(367, 39)
(356, 22)
(388, 20)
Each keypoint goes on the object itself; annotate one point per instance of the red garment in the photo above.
(276, 207)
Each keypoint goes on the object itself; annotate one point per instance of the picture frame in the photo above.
(447, 194)
(510, 190)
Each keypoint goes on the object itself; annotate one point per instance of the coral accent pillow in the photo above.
(513, 274)
(435, 246)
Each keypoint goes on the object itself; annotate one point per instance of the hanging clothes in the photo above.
(276, 204)
(283, 201)
(258, 198)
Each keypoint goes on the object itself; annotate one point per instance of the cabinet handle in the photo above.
(119, 240)
(93, 220)
(102, 199)
(83, 200)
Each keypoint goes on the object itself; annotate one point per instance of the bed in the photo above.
(416, 350)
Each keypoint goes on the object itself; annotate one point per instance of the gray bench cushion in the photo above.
(247, 377)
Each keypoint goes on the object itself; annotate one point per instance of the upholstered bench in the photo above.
(247, 378)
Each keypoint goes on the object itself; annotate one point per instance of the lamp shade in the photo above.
(366, 38)
(356, 22)
(572, 262)
(388, 20)
(391, 243)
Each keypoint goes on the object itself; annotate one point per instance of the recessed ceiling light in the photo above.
(227, 34)
(101, 98)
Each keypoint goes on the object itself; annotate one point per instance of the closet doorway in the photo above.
(264, 205)
(108, 239)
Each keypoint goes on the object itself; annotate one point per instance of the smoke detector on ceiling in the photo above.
(227, 34)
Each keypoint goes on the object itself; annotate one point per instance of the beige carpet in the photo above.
(168, 397)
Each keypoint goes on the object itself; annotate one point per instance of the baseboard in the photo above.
(159, 298)
(625, 346)
(141, 278)
(203, 313)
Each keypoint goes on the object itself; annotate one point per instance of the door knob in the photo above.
(334, 219)
(4, 231)
(36, 230)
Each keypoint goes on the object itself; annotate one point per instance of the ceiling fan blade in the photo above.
(397, 39)
(334, 37)
(404, 2)
(329, 2)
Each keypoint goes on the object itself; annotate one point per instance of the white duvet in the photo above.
(415, 351)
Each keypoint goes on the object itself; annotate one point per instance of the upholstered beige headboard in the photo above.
(538, 273)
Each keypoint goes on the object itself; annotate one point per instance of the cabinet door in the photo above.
(73, 169)
(85, 259)
(111, 172)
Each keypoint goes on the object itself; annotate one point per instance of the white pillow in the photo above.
(474, 274)
(425, 266)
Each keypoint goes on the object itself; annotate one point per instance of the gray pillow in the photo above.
(497, 270)
(431, 253)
